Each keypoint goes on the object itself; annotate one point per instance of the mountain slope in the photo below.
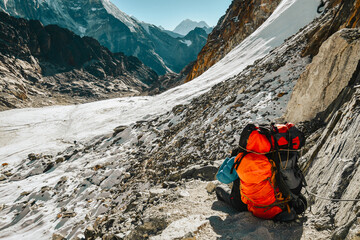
(118, 185)
(240, 20)
(152, 176)
(51, 65)
(114, 29)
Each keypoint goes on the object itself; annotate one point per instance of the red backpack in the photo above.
(274, 148)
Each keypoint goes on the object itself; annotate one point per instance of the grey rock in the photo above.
(119, 129)
(68, 214)
(58, 236)
(90, 233)
(328, 74)
(150, 227)
(205, 173)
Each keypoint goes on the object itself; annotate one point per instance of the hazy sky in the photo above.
(169, 13)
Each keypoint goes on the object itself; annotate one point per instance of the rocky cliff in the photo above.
(240, 20)
(345, 14)
(51, 65)
(329, 73)
(114, 29)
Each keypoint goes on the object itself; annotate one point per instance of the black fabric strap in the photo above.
(237, 163)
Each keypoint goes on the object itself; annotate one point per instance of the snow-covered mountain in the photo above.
(143, 167)
(188, 25)
(51, 65)
(113, 28)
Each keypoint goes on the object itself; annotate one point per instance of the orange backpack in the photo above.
(258, 167)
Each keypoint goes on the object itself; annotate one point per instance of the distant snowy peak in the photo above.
(188, 25)
(114, 29)
(123, 17)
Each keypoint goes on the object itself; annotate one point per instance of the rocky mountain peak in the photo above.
(240, 20)
(187, 25)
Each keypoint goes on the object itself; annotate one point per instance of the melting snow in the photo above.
(187, 42)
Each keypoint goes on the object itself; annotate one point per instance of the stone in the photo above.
(151, 226)
(8, 174)
(24, 193)
(119, 129)
(90, 233)
(60, 160)
(156, 192)
(210, 187)
(2, 206)
(33, 156)
(110, 236)
(58, 236)
(200, 172)
(68, 214)
(49, 166)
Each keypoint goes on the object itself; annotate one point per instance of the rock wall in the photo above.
(327, 75)
(332, 170)
(241, 19)
(344, 14)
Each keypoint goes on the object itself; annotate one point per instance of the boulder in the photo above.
(328, 74)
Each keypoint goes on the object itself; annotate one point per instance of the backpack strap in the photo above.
(237, 163)
(283, 187)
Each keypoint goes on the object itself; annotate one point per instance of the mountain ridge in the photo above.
(113, 28)
(51, 65)
(187, 25)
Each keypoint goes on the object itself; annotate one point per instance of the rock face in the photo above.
(330, 71)
(114, 29)
(345, 14)
(47, 65)
(241, 19)
(332, 170)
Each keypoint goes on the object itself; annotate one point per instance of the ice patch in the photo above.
(75, 8)
(82, 30)
(146, 26)
(187, 42)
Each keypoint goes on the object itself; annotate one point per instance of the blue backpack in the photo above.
(225, 175)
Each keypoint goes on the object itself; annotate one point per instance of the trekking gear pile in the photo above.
(266, 163)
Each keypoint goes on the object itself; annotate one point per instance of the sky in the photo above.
(169, 13)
